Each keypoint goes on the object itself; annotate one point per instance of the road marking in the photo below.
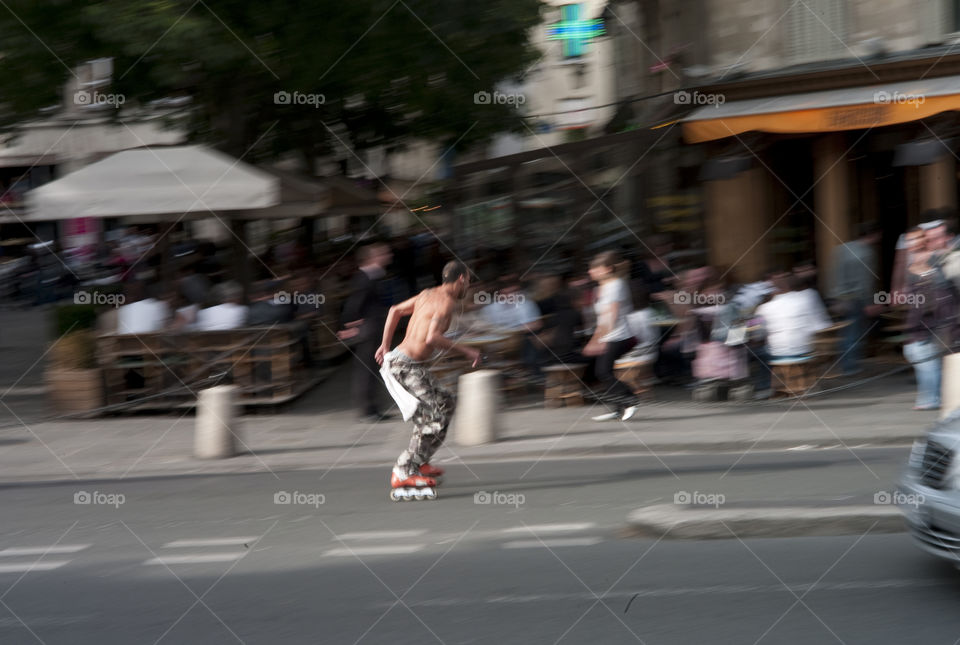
(22, 390)
(626, 595)
(41, 550)
(49, 621)
(226, 541)
(382, 535)
(196, 559)
(533, 544)
(550, 528)
(399, 549)
(23, 567)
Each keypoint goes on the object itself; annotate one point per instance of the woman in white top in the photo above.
(612, 337)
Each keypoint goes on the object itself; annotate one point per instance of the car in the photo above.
(929, 490)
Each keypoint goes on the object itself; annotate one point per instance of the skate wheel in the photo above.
(396, 495)
(418, 494)
(430, 493)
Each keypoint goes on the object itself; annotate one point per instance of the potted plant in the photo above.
(74, 382)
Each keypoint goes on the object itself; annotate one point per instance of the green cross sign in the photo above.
(574, 31)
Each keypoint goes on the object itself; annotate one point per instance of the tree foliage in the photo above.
(389, 70)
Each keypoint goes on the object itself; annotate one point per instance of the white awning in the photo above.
(165, 183)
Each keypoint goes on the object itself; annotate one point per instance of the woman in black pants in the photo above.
(611, 338)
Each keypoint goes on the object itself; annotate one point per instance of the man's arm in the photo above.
(394, 315)
(350, 317)
(435, 338)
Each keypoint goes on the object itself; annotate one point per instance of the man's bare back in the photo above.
(431, 308)
(430, 314)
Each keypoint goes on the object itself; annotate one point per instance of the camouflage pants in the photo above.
(431, 419)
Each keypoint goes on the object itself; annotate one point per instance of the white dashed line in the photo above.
(383, 535)
(41, 550)
(195, 559)
(551, 528)
(24, 567)
(400, 549)
(541, 544)
(226, 541)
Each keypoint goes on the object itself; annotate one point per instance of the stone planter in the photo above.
(74, 391)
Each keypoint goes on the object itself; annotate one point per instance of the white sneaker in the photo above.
(609, 416)
(629, 412)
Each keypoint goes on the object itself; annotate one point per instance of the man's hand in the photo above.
(473, 354)
(873, 311)
(594, 348)
(353, 328)
(383, 349)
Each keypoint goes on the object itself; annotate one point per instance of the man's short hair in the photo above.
(453, 271)
(228, 292)
(267, 288)
(366, 253)
(867, 229)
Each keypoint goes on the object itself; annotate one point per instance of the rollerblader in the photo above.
(410, 383)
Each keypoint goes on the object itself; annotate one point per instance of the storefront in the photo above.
(810, 167)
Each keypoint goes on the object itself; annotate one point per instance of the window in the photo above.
(816, 30)
(574, 113)
(942, 19)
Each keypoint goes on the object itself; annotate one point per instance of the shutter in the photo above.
(815, 31)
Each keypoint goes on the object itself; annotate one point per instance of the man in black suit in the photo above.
(363, 318)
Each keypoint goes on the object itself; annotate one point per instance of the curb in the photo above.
(189, 466)
(720, 445)
(706, 523)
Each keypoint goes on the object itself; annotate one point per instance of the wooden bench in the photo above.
(637, 373)
(164, 370)
(826, 350)
(793, 376)
(448, 368)
(564, 385)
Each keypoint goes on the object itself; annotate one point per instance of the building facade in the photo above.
(807, 119)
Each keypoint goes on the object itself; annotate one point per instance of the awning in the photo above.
(828, 111)
(305, 196)
(157, 184)
(28, 161)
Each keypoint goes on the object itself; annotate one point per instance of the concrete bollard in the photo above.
(950, 384)
(215, 435)
(478, 406)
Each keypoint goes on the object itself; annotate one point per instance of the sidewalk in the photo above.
(320, 431)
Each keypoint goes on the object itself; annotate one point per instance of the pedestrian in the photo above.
(791, 319)
(417, 393)
(931, 325)
(612, 337)
(363, 316)
(853, 290)
(228, 312)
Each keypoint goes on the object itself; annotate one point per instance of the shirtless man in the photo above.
(430, 312)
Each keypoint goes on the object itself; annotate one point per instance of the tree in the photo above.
(388, 71)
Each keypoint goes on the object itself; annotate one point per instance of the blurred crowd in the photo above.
(692, 323)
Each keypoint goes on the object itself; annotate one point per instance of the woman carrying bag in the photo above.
(612, 337)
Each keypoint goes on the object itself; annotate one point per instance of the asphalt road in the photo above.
(537, 559)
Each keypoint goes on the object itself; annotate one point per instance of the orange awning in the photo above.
(827, 111)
